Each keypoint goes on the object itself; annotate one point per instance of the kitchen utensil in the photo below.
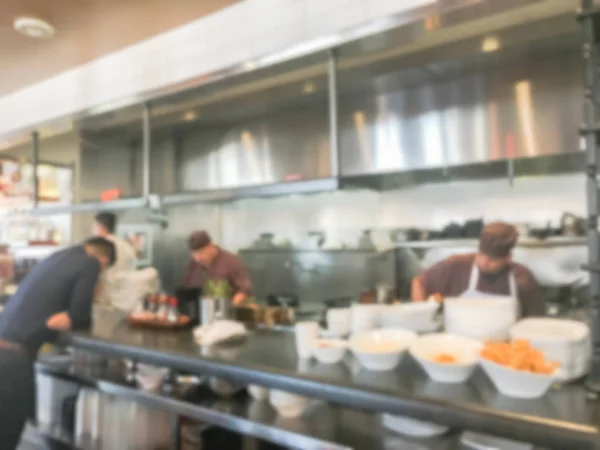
(306, 334)
(416, 316)
(364, 317)
(257, 392)
(411, 427)
(223, 387)
(288, 405)
(329, 351)
(482, 319)
(381, 350)
(517, 383)
(187, 299)
(208, 309)
(566, 342)
(338, 321)
(465, 351)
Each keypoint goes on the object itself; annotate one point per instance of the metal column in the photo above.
(146, 146)
(590, 129)
(35, 159)
(334, 136)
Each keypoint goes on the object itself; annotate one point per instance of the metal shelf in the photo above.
(323, 426)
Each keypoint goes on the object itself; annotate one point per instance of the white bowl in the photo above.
(411, 427)
(381, 350)
(566, 342)
(288, 405)
(258, 392)
(465, 350)
(329, 351)
(517, 383)
(150, 378)
(481, 319)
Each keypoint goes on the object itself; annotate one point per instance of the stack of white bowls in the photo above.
(566, 342)
(416, 316)
(338, 322)
(482, 319)
(364, 317)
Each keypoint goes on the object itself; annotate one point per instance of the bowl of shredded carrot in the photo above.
(518, 369)
(446, 358)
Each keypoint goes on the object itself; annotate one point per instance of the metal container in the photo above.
(222, 308)
(207, 310)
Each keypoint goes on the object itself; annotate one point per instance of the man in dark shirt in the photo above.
(55, 296)
(211, 262)
(452, 276)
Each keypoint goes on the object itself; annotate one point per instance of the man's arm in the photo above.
(432, 281)
(80, 307)
(530, 297)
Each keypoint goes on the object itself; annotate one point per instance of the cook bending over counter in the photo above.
(489, 273)
(211, 262)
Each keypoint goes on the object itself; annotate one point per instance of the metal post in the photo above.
(35, 158)
(590, 133)
(146, 146)
(334, 136)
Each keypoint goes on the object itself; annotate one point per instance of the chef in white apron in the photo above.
(489, 273)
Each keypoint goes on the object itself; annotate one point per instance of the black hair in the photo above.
(108, 220)
(104, 247)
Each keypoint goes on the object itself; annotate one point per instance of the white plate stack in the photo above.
(416, 316)
(482, 319)
(566, 342)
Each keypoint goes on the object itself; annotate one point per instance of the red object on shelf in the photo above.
(112, 194)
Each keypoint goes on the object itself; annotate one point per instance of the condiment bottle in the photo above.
(173, 315)
(163, 306)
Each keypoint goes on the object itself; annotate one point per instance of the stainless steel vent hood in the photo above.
(457, 87)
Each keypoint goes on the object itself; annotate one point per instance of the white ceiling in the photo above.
(85, 30)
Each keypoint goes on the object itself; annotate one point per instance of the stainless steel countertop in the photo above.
(563, 418)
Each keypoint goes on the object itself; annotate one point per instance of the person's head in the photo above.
(101, 249)
(105, 224)
(202, 248)
(495, 247)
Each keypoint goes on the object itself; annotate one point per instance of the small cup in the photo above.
(306, 334)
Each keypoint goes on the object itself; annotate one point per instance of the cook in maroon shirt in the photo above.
(210, 262)
(451, 277)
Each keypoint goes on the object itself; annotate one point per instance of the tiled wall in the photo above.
(246, 30)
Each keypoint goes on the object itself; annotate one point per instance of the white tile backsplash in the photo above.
(345, 214)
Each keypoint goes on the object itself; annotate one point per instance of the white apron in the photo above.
(472, 291)
(479, 440)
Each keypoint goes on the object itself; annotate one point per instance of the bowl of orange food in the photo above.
(518, 369)
(446, 358)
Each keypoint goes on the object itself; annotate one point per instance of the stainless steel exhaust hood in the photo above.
(460, 87)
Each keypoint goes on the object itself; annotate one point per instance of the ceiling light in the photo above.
(308, 88)
(490, 44)
(33, 27)
(190, 115)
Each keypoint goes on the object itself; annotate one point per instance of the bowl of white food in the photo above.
(329, 351)
(381, 350)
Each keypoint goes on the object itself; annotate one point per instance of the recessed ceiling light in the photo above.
(490, 44)
(190, 115)
(308, 88)
(33, 27)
